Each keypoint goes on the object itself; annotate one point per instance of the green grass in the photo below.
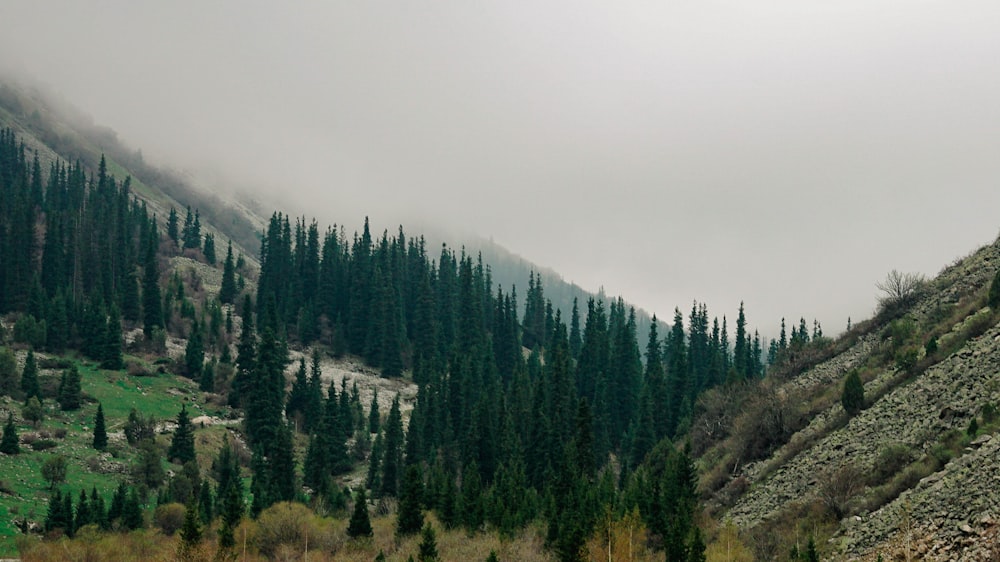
(159, 395)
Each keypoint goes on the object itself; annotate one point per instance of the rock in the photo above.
(965, 528)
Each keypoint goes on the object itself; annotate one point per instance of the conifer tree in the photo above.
(360, 525)
(410, 517)
(428, 545)
(173, 231)
(132, 511)
(182, 445)
(100, 440)
(194, 352)
(392, 463)
(227, 293)
(152, 311)
(853, 396)
(33, 411)
(191, 530)
(374, 423)
(69, 389)
(209, 248)
(993, 300)
(9, 442)
(29, 377)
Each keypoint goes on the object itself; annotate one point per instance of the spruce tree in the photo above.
(360, 525)
(9, 443)
(227, 293)
(428, 545)
(173, 230)
(209, 248)
(182, 445)
(33, 411)
(392, 463)
(29, 378)
(70, 389)
(152, 311)
(853, 396)
(191, 530)
(194, 352)
(374, 423)
(410, 517)
(100, 431)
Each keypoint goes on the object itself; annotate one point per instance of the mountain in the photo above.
(909, 476)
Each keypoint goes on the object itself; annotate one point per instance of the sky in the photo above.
(783, 153)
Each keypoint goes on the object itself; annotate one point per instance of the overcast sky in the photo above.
(785, 153)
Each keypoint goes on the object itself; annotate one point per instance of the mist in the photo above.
(786, 154)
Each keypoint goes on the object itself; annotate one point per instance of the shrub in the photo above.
(890, 461)
(43, 444)
(989, 413)
(994, 298)
(288, 523)
(899, 290)
(169, 517)
(838, 487)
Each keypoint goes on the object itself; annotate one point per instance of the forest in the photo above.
(522, 417)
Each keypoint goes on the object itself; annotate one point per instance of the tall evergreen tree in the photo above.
(410, 517)
(9, 442)
(392, 463)
(360, 525)
(182, 445)
(100, 441)
(70, 389)
(29, 377)
(227, 292)
(152, 311)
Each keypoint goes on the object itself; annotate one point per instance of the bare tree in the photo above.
(838, 487)
(899, 288)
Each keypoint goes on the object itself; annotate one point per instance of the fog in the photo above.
(783, 153)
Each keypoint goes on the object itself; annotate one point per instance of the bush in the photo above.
(994, 298)
(43, 444)
(899, 290)
(838, 487)
(169, 517)
(890, 461)
(288, 523)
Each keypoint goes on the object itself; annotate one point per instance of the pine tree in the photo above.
(29, 378)
(173, 231)
(152, 311)
(392, 463)
(132, 511)
(374, 425)
(410, 517)
(428, 545)
(100, 431)
(209, 248)
(9, 444)
(182, 445)
(191, 530)
(853, 396)
(194, 352)
(33, 411)
(360, 525)
(69, 389)
(227, 293)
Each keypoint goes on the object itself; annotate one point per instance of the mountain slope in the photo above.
(904, 474)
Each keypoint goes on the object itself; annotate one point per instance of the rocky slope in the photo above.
(946, 515)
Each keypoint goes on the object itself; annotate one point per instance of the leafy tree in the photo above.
(360, 525)
(54, 470)
(33, 411)
(8, 444)
(70, 389)
(182, 445)
(100, 441)
(29, 377)
(853, 396)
